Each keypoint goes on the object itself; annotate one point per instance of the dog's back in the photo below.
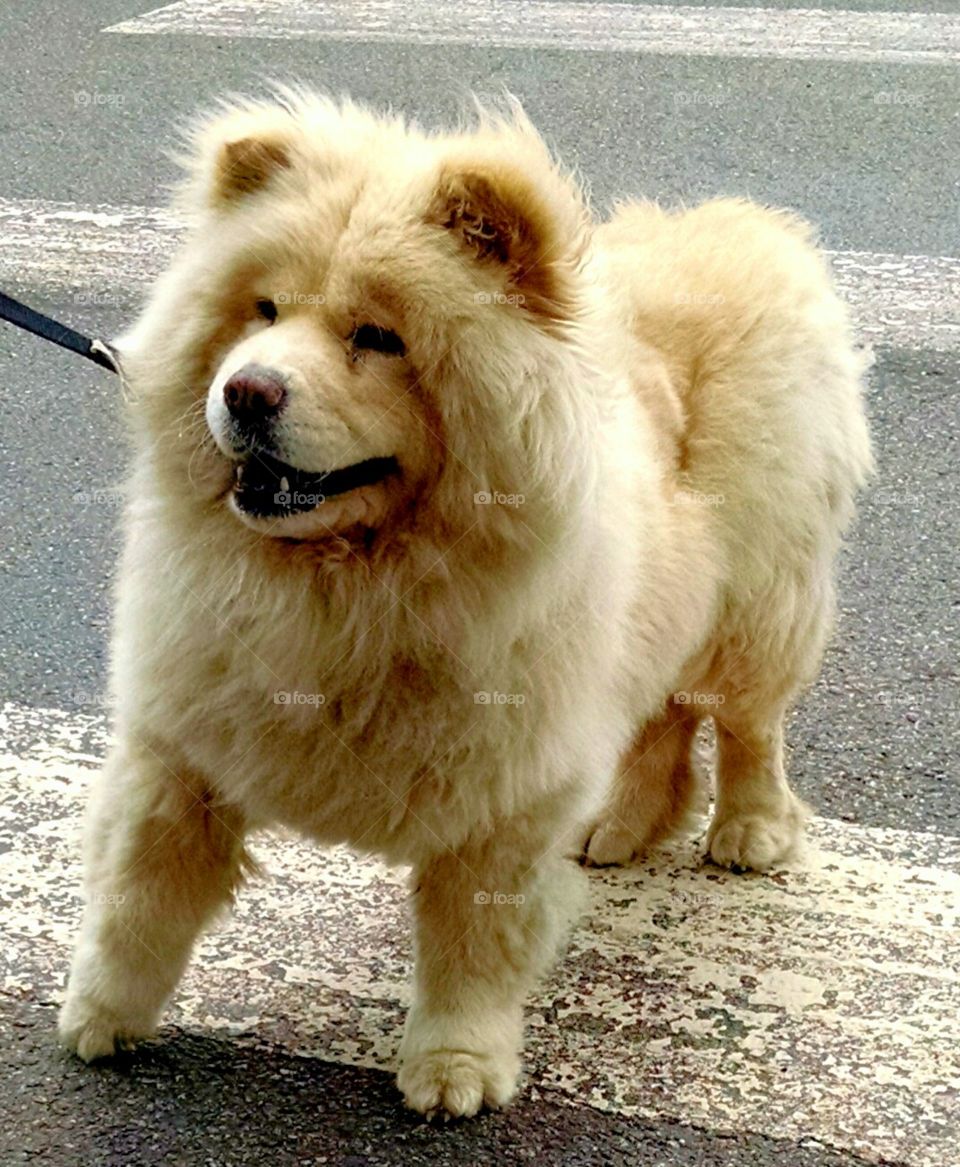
(739, 303)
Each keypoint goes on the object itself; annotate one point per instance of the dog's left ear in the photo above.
(532, 235)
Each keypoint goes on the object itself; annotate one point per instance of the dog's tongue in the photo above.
(268, 487)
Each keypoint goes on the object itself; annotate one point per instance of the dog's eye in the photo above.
(267, 309)
(379, 340)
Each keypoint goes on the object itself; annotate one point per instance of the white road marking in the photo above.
(93, 254)
(107, 255)
(818, 1004)
(797, 33)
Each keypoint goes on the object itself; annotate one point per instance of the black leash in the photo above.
(30, 320)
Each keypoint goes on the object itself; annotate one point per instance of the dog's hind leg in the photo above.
(161, 858)
(654, 792)
(772, 654)
(758, 820)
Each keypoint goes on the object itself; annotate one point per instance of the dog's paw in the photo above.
(754, 841)
(92, 1032)
(457, 1083)
(610, 844)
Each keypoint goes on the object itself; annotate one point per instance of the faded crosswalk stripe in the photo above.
(800, 33)
(109, 254)
(818, 1004)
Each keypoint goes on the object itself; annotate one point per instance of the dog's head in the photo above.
(369, 329)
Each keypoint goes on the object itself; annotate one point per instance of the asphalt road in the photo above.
(866, 149)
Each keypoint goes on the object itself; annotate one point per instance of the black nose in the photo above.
(254, 395)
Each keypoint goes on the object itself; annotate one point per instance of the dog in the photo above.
(452, 514)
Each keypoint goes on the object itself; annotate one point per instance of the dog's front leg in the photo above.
(488, 919)
(161, 858)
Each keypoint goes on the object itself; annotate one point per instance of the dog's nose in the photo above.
(254, 395)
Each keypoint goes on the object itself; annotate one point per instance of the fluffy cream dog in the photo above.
(451, 514)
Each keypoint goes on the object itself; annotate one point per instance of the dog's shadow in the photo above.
(191, 1099)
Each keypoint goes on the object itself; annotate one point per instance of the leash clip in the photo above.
(107, 350)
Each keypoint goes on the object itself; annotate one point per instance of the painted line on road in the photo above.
(818, 1004)
(796, 33)
(108, 255)
(93, 255)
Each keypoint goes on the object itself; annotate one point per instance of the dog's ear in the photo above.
(531, 233)
(492, 217)
(234, 153)
(245, 164)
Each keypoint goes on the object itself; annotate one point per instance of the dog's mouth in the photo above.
(264, 487)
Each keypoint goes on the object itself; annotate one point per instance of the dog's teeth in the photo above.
(284, 485)
(238, 473)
